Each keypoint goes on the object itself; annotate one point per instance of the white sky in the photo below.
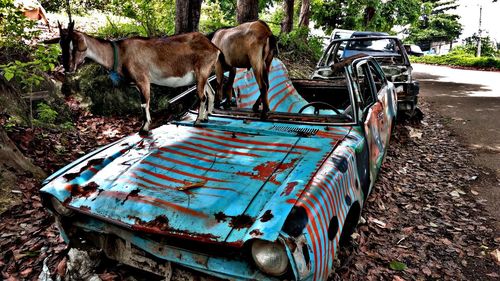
(469, 13)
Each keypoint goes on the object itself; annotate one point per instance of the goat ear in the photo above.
(82, 45)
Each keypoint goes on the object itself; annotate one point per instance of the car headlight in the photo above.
(59, 208)
(270, 257)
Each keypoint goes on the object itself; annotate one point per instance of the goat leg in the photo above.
(229, 88)
(144, 89)
(210, 95)
(202, 108)
(219, 74)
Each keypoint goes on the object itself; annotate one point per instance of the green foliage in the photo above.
(460, 57)
(77, 7)
(398, 266)
(29, 74)
(120, 30)
(46, 114)
(155, 17)
(487, 46)
(436, 23)
(213, 17)
(14, 26)
(12, 122)
(226, 8)
(300, 43)
(352, 14)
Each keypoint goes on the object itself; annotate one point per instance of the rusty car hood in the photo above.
(204, 183)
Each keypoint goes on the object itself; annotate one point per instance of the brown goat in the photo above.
(33, 10)
(250, 44)
(174, 61)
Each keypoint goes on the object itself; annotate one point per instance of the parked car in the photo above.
(389, 53)
(236, 198)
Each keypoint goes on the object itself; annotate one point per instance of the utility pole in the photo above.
(479, 40)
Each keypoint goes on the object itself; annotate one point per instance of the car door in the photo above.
(376, 122)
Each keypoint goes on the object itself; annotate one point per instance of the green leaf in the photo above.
(8, 75)
(396, 265)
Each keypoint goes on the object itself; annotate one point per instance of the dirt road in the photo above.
(469, 100)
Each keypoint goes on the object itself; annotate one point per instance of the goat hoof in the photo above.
(255, 108)
(204, 120)
(197, 122)
(143, 132)
(263, 115)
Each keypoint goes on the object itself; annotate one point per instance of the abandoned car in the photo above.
(389, 52)
(238, 197)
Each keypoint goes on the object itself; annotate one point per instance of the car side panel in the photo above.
(327, 201)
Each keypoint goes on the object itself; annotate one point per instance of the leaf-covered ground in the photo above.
(422, 221)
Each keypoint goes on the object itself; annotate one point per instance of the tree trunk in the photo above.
(12, 165)
(247, 10)
(187, 16)
(369, 14)
(305, 12)
(287, 23)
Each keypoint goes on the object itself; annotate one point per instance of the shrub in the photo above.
(300, 43)
(459, 58)
(120, 30)
(212, 17)
(156, 17)
(46, 114)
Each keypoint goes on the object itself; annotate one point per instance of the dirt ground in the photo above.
(469, 102)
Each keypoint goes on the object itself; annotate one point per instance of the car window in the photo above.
(363, 78)
(376, 45)
(378, 77)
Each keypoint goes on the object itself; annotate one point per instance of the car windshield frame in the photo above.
(285, 117)
(339, 44)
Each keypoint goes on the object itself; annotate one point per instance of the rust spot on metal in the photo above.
(256, 232)
(133, 193)
(289, 188)
(90, 163)
(160, 223)
(269, 170)
(291, 244)
(85, 190)
(85, 208)
(71, 176)
(267, 216)
(201, 260)
(220, 216)
(241, 221)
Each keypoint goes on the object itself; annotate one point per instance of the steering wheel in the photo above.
(316, 110)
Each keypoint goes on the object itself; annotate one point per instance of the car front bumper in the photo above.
(154, 255)
(407, 96)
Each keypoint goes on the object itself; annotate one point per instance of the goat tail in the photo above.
(273, 45)
(222, 60)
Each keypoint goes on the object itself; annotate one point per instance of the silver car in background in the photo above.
(389, 52)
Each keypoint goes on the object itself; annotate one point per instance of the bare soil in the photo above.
(469, 102)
